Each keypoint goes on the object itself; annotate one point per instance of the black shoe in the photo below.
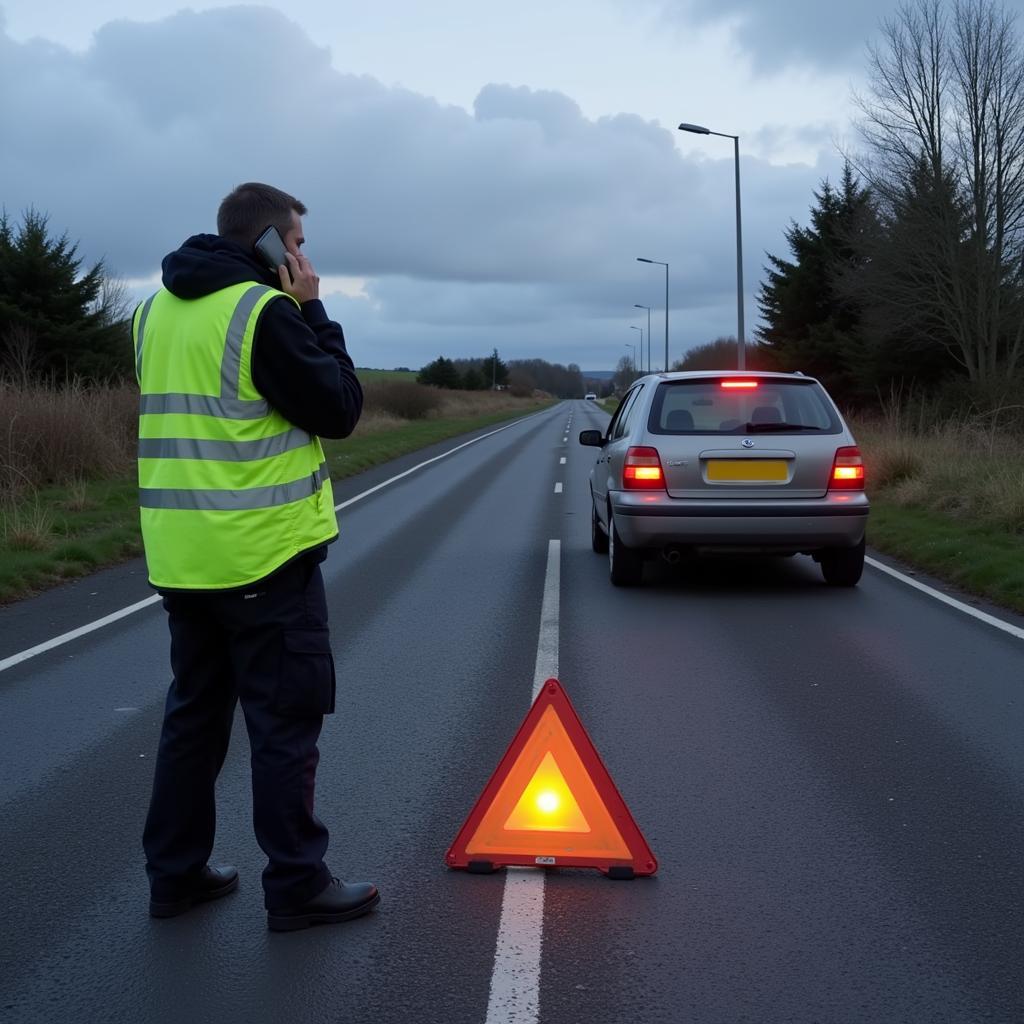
(211, 885)
(340, 901)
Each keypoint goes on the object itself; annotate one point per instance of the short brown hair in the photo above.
(251, 208)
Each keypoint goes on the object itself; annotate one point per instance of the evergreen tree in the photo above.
(441, 373)
(58, 318)
(810, 325)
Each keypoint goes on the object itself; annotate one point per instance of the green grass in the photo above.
(979, 557)
(65, 532)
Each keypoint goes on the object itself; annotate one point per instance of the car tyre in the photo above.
(598, 538)
(625, 565)
(842, 567)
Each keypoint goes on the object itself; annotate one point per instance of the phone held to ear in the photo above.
(270, 249)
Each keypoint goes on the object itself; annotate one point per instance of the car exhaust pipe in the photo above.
(672, 555)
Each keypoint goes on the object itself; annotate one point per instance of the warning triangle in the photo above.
(552, 802)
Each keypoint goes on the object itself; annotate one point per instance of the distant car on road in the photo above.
(591, 396)
(726, 461)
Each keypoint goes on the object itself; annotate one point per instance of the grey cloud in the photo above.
(519, 220)
(819, 33)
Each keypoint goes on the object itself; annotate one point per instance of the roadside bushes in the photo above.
(63, 435)
(401, 398)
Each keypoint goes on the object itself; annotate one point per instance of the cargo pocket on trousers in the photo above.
(306, 684)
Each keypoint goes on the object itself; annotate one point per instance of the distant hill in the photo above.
(597, 374)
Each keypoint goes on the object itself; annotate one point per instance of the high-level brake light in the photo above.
(739, 385)
(642, 470)
(847, 470)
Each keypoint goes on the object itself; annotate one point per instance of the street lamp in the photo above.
(633, 327)
(637, 305)
(696, 129)
(641, 259)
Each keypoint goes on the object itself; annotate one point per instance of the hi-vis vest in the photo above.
(229, 490)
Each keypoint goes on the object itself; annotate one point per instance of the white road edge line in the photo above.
(991, 620)
(49, 645)
(515, 980)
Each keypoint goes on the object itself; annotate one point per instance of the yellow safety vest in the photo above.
(229, 490)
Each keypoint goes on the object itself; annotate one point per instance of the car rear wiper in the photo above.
(751, 428)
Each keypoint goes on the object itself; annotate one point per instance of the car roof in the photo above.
(718, 374)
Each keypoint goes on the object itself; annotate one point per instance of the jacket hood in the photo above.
(208, 263)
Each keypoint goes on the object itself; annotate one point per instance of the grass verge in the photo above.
(978, 557)
(60, 533)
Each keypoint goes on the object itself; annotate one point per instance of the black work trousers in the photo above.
(268, 647)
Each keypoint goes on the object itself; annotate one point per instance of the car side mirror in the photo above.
(592, 438)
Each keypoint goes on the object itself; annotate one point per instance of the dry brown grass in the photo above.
(963, 468)
(59, 436)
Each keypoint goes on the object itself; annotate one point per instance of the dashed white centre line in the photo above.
(558, 488)
(515, 980)
(561, 461)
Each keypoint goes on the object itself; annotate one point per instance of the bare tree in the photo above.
(20, 356)
(944, 120)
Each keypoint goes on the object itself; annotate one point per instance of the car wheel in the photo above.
(625, 565)
(598, 538)
(842, 567)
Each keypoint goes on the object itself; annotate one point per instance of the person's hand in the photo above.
(303, 284)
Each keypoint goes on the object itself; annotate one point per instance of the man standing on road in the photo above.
(240, 373)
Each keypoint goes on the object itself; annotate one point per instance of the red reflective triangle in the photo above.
(551, 802)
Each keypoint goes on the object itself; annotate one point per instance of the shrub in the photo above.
(401, 398)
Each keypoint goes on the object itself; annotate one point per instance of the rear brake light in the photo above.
(847, 470)
(642, 470)
(748, 385)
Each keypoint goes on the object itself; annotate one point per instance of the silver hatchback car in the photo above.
(727, 461)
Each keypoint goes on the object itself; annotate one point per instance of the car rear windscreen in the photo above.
(730, 405)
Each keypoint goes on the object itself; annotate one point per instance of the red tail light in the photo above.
(744, 385)
(847, 470)
(642, 470)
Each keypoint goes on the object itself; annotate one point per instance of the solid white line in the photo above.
(991, 620)
(515, 980)
(558, 488)
(436, 458)
(49, 645)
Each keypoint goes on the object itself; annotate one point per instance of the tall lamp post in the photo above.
(633, 327)
(641, 259)
(637, 305)
(696, 129)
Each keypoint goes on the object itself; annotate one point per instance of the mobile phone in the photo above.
(270, 249)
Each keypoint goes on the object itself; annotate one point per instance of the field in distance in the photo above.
(367, 375)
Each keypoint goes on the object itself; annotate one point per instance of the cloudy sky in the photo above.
(478, 173)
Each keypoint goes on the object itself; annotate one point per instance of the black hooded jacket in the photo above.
(299, 361)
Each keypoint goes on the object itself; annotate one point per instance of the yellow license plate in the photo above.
(746, 470)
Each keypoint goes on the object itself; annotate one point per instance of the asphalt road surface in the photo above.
(832, 780)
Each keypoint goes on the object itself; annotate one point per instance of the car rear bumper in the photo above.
(650, 520)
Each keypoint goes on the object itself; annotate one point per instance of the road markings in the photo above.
(1006, 627)
(561, 461)
(436, 458)
(49, 645)
(558, 488)
(515, 980)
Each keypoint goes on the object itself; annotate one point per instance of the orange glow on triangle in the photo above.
(547, 803)
(511, 823)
